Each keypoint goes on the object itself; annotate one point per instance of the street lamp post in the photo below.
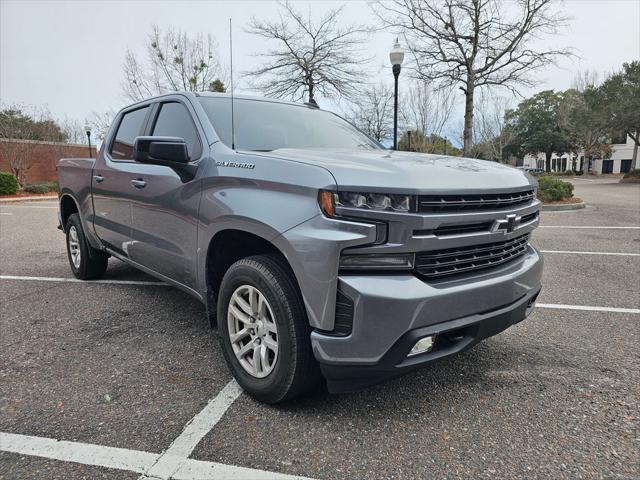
(396, 56)
(87, 130)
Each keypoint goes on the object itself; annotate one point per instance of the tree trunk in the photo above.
(585, 163)
(547, 161)
(468, 116)
(312, 100)
(634, 161)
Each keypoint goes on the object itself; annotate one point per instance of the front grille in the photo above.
(485, 201)
(453, 261)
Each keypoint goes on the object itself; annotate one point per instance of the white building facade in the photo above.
(620, 161)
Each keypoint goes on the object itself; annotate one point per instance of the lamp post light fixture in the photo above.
(396, 56)
(87, 130)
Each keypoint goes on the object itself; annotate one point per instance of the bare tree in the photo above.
(73, 130)
(372, 111)
(173, 62)
(474, 43)
(100, 122)
(22, 130)
(426, 111)
(311, 56)
(490, 127)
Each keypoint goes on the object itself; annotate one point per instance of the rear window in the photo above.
(130, 127)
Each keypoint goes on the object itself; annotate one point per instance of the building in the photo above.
(38, 159)
(620, 161)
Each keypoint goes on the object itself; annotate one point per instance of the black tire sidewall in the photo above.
(83, 272)
(275, 385)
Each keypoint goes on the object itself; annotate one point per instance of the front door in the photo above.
(110, 183)
(164, 207)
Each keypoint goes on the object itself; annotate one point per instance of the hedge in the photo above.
(632, 174)
(44, 187)
(8, 184)
(552, 189)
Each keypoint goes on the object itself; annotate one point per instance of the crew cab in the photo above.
(318, 253)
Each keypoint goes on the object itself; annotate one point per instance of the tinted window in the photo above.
(175, 120)
(130, 127)
(261, 125)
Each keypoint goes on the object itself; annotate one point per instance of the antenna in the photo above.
(233, 138)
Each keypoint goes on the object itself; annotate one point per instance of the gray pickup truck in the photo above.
(316, 252)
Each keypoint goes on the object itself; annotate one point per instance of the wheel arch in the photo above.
(225, 248)
(68, 206)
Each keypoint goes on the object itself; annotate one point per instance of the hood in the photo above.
(408, 172)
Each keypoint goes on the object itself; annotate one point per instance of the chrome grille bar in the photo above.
(442, 203)
(465, 259)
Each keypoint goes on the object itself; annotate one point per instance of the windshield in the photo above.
(264, 126)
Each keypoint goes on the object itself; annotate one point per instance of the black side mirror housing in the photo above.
(169, 151)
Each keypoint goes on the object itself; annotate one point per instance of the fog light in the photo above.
(422, 346)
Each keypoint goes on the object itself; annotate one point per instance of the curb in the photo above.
(28, 199)
(562, 207)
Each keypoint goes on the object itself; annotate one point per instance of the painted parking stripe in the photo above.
(124, 459)
(27, 206)
(6, 213)
(586, 308)
(580, 227)
(577, 252)
(84, 453)
(75, 280)
(170, 461)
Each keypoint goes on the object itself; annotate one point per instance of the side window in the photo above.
(129, 128)
(174, 120)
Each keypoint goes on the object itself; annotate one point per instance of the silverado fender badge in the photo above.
(250, 166)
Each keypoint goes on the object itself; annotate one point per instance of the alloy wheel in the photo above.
(252, 331)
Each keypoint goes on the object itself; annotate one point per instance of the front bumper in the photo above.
(391, 312)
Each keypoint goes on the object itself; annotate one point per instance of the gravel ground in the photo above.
(556, 396)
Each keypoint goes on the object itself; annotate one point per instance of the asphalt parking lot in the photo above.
(124, 379)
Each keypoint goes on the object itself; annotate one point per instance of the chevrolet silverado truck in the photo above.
(316, 252)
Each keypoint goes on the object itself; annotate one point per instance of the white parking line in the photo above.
(26, 206)
(75, 280)
(84, 453)
(600, 227)
(560, 306)
(577, 252)
(124, 459)
(6, 213)
(170, 461)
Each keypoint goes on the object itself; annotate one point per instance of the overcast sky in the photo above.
(67, 55)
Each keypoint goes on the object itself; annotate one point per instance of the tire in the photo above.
(293, 369)
(86, 262)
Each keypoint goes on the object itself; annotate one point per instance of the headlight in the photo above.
(367, 201)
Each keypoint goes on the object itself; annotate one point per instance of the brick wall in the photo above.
(43, 157)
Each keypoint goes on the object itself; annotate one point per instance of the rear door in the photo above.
(111, 187)
(164, 207)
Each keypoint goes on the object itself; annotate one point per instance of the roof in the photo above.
(244, 97)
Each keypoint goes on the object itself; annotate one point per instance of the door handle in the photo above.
(138, 183)
(98, 178)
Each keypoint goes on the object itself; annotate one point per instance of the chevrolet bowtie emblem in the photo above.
(506, 225)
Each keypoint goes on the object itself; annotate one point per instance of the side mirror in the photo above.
(169, 151)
